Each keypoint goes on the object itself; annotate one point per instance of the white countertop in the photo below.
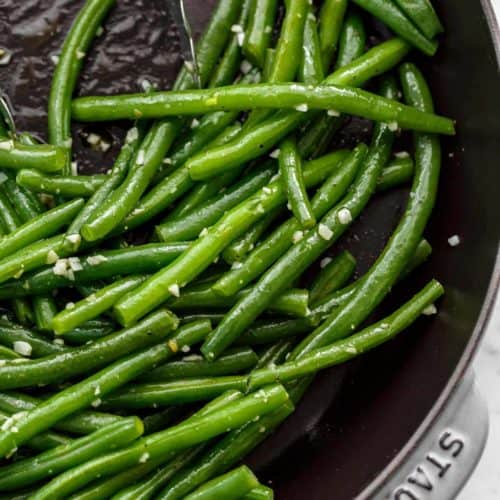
(485, 481)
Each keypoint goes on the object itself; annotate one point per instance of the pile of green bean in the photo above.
(140, 371)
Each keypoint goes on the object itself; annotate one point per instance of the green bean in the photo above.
(68, 186)
(400, 248)
(269, 96)
(374, 62)
(352, 40)
(81, 423)
(422, 253)
(293, 263)
(423, 15)
(87, 333)
(37, 346)
(293, 182)
(344, 350)
(398, 172)
(203, 251)
(8, 215)
(144, 490)
(176, 392)
(178, 437)
(259, 140)
(234, 361)
(23, 312)
(143, 167)
(332, 276)
(44, 309)
(203, 191)
(31, 257)
(49, 464)
(42, 226)
(226, 453)
(260, 493)
(291, 302)
(118, 173)
(280, 240)
(311, 65)
(26, 203)
(389, 13)
(15, 155)
(109, 263)
(273, 330)
(275, 354)
(94, 305)
(233, 484)
(259, 31)
(240, 248)
(268, 64)
(331, 18)
(65, 77)
(42, 442)
(61, 366)
(189, 226)
(6, 353)
(82, 394)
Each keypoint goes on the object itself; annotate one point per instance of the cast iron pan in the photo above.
(355, 419)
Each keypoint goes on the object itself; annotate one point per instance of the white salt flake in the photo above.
(74, 168)
(236, 265)
(325, 232)
(93, 139)
(275, 153)
(70, 305)
(174, 290)
(303, 108)
(132, 135)
(344, 216)
(95, 260)
(430, 310)
(240, 38)
(52, 257)
(195, 123)
(393, 126)
(144, 458)
(333, 112)
(297, 236)
(80, 54)
(140, 157)
(402, 154)
(54, 58)
(324, 262)
(203, 232)
(454, 240)
(58, 341)
(237, 28)
(75, 264)
(22, 347)
(245, 66)
(96, 403)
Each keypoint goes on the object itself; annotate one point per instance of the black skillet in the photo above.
(358, 430)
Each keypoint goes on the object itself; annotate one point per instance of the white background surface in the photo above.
(485, 482)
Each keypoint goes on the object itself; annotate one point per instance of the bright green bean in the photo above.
(352, 40)
(68, 186)
(31, 470)
(65, 77)
(293, 182)
(234, 361)
(59, 367)
(203, 251)
(389, 13)
(82, 394)
(423, 15)
(178, 437)
(400, 248)
(331, 18)
(398, 172)
(233, 484)
(343, 350)
(15, 155)
(311, 65)
(94, 305)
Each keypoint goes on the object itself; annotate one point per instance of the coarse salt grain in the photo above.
(174, 290)
(324, 262)
(80, 54)
(203, 232)
(195, 123)
(237, 28)
(240, 38)
(52, 257)
(303, 108)
(245, 66)
(54, 58)
(297, 236)
(22, 347)
(75, 238)
(344, 216)
(185, 348)
(95, 260)
(454, 240)
(70, 305)
(144, 458)
(325, 232)
(93, 139)
(402, 154)
(97, 402)
(75, 264)
(332, 112)
(61, 267)
(74, 168)
(393, 126)
(236, 265)
(132, 135)
(140, 157)
(430, 310)
(58, 341)
(275, 153)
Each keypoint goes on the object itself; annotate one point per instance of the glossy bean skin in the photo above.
(398, 172)
(389, 13)
(331, 17)
(405, 238)
(423, 15)
(16, 155)
(352, 40)
(66, 186)
(204, 250)
(290, 165)
(311, 66)
(66, 74)
(61, 366)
